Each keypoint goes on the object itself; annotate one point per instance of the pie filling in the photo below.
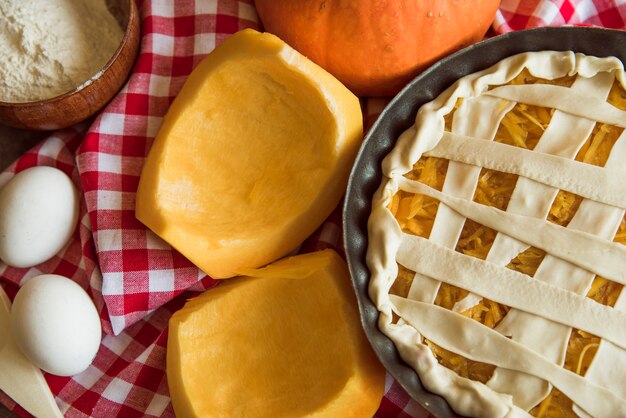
(502, 211)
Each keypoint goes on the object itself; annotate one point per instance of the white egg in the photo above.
(56, 325)
(38, 215)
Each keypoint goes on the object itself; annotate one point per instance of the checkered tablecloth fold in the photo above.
(527, 14)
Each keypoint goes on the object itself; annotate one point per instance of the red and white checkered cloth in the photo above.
(527, 14)
(136, 280)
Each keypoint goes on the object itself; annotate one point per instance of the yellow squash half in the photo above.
(252, 156)
(285, 341)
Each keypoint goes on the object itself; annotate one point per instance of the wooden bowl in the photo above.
(79, 104)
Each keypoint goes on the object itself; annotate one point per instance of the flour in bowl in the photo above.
(50, 47)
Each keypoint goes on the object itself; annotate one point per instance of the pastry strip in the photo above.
(608, 366)
(564, 99)
(513, 289)
(586, 250)
(475, 341)
(586, 180)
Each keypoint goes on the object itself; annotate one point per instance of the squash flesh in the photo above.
(287, 342)
(252, 156)
(221, 118)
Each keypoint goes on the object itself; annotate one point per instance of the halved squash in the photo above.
(286, 341)
(252, 156)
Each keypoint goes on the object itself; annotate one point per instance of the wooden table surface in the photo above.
(13, 143)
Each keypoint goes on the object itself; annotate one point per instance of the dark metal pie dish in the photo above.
(399, 115)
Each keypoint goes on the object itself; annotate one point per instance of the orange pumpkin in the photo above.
(375, 47)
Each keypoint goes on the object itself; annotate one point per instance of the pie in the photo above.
(496, 239)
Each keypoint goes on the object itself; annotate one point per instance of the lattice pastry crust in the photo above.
(496, 239)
